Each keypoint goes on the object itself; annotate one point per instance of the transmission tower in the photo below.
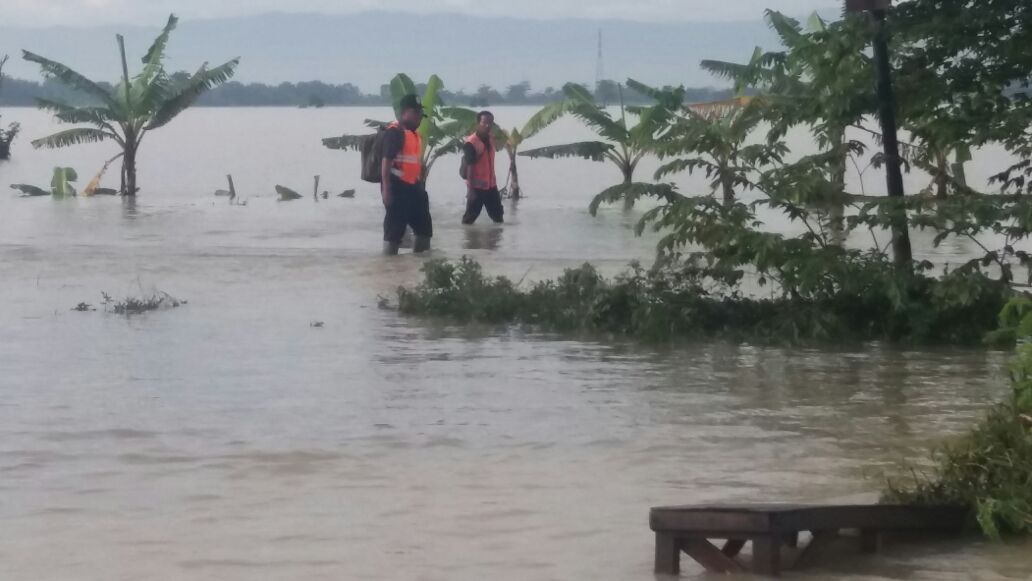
(599, 68)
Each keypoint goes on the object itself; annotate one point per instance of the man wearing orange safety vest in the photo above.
(401, 179)
(481, 184)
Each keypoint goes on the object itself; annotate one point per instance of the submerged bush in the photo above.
(873, 302)
(990, 468)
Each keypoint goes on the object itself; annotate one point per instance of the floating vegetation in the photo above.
(137, 305)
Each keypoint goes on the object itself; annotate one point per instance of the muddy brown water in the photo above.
(230, 439)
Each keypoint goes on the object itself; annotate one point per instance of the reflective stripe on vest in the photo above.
(481, 175)
(408, 164)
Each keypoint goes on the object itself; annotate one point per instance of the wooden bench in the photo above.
(769, 527)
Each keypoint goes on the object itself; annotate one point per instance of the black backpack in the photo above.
(372, 156)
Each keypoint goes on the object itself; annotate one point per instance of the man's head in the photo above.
(410, 112)
(485, 121)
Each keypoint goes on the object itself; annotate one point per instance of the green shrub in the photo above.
(868, 301)
(990, 468)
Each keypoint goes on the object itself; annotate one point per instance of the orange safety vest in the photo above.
(481, 175)
(408, 165)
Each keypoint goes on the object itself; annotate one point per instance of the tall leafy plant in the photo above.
(128, 111)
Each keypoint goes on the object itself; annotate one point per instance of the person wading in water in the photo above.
(481, 184)
(401, 176)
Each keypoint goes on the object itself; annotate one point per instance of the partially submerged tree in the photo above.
(132, 108)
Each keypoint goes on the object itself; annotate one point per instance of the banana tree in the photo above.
(622, 145)
(132, 108)
(441, 136)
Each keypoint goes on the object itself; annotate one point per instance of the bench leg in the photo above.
(870, 541)
(709, 556)
(668, 554)
(820, 541)
(767, 556)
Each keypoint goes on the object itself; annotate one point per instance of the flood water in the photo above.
(230, 439)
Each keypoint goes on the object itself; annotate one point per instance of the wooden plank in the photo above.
(762, 519)
(879, 517)
(767, 556)
(732, 547)
(706, 520)
(710, 557)
(668, 555)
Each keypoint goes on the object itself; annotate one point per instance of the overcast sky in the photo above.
(152, 12)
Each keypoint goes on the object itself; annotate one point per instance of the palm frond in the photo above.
(98, 116)
(632, 192)
(69, 77)
(74, 136)
(591, 150)
(156, 53)
(203, 80)
(546, 116)
(788, 29)
(576, 92)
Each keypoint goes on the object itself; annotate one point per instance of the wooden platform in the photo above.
(769, 527)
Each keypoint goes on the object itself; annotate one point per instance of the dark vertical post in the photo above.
(668, 554)
(901, 250)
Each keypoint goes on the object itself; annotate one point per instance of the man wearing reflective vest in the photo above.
(401, 179)
(481, 183)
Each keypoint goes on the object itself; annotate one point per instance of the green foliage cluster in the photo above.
(863, 299)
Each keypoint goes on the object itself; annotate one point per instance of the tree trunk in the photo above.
(129, 172)
(942, 176)
(628, 178)
(514, 180)
(728, 188)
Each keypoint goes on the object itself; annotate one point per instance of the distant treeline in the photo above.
(19, 92)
